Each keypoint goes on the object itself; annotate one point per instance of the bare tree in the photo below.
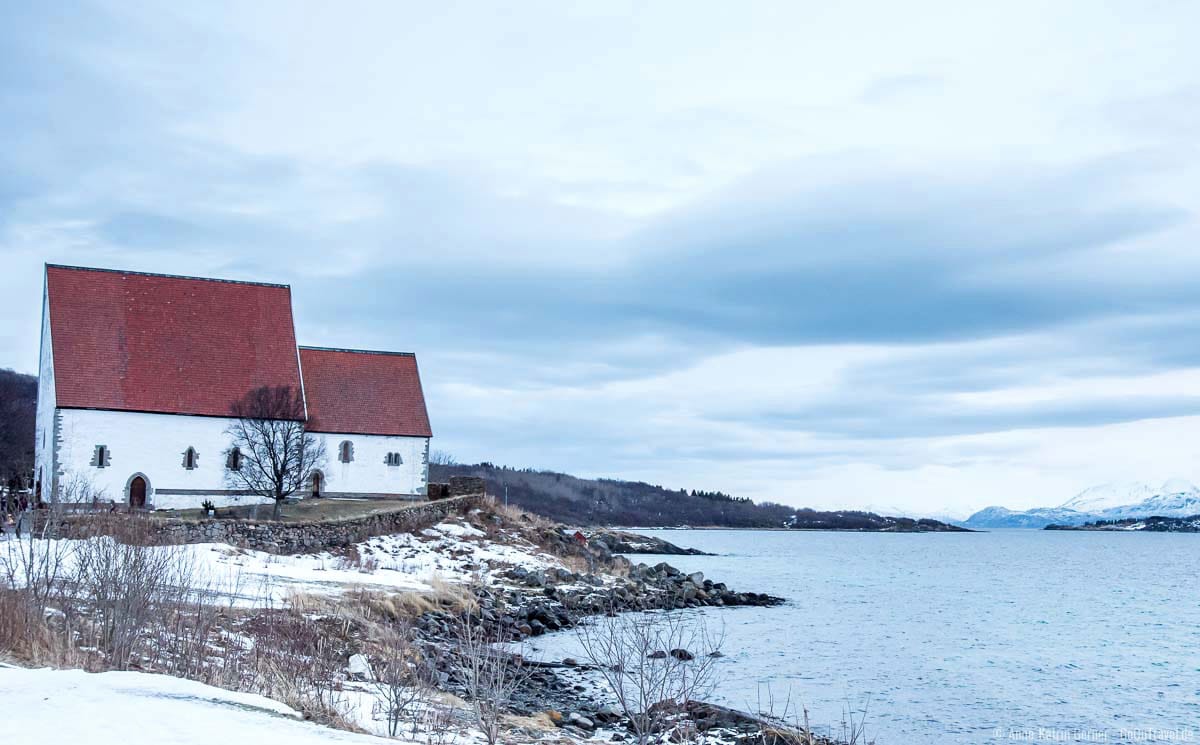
(441, 458)
(490, 675)
(272, 454)
(654, 663)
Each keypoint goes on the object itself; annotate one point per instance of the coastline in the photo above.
(523, 605)
(635, 529)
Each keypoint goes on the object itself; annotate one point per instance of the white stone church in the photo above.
(138, 373)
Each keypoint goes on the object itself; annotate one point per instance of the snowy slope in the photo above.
(1106, 496)
(126, 708)
(1000, 517)
(1175, 498)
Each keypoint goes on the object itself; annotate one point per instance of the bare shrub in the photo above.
(402, 680)
(37, 568)
(437, 725)
(490, 676)
(129, 589)
(654, 663)
(787, 723)
(299, 660)
(108, 601)
(78, 492)
(190, 639)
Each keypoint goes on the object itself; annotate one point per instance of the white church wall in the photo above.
(152, 445)
(44, 429)
(369, 472)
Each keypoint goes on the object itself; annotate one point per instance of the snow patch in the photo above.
(127, 708)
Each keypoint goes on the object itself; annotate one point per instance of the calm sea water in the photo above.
(1000, 637)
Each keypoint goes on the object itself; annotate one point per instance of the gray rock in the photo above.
(359, 668)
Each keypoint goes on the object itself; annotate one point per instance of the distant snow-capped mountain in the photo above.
(1001, 517)
(1174, 498)
(1107, 496)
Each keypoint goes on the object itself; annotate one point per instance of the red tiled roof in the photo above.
(368, 393)
(181, 345)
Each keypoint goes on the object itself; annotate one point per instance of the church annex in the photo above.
(138, 373)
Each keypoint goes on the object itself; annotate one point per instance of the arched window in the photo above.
(234, 461)
(100, 458)
(393, 459)
(346, 451)
(190, 458)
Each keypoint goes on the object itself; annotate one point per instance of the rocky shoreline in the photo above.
(624, 542)
(526, 604)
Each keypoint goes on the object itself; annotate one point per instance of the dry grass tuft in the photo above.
(543, 721)
(407, 606)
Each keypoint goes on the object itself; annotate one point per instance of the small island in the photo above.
(1144, 524)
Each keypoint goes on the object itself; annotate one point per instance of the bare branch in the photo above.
(654, 663)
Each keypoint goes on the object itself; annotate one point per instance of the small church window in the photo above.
(190, 458)
(234, 461)
(393, 459)
(346, 451)
(100, 458)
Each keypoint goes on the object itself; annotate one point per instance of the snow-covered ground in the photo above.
(453, 551)
(127, 708)
(134, 708)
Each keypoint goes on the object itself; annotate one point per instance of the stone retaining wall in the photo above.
(278, 537)
(458, 486)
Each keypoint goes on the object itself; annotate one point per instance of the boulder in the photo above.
(607, 714)
(359, 669)
(581, 721)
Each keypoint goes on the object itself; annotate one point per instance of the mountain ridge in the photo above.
(1175, 498)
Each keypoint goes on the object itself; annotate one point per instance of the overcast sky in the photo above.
(917, 256)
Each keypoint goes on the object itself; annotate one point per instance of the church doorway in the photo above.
(316, 484)
(137, 492)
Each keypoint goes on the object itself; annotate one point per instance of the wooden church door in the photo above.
(137, 492)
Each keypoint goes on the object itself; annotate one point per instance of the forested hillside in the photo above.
(18, 404)
(610, 502)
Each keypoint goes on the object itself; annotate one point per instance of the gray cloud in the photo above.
(865, 262)
(974, 278)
